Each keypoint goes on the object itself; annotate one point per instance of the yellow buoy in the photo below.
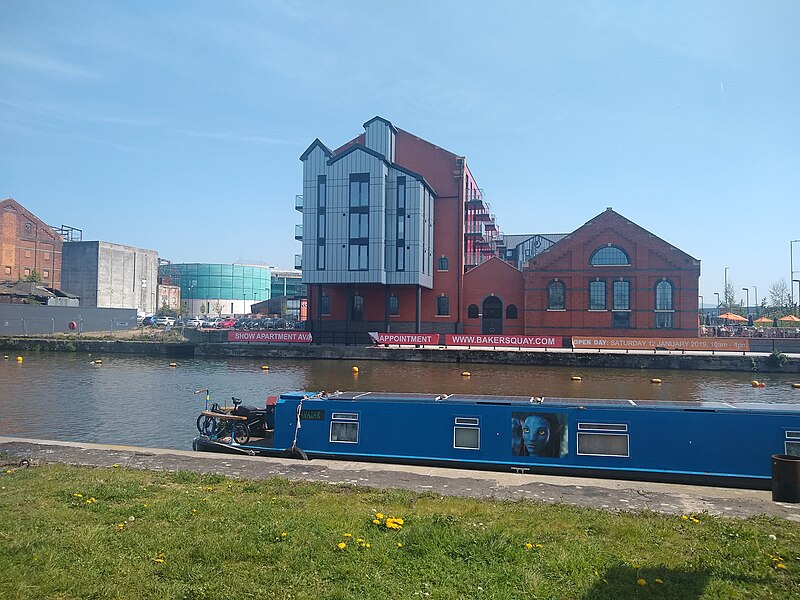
(466, 374)
(796, 386)
(265, 367)
(98, 362)
(19, 359)
(655, 380)
(355, 370)
(576, 378)
(173, 364)
(5, 357)
(754, 383)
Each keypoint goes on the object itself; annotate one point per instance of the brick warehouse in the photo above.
(27, 244)
(397, 237)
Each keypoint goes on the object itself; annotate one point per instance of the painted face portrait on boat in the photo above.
(538, 434)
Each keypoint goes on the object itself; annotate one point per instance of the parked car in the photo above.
(165, 321)
(226, 323)
(150, 320)
(194, 322)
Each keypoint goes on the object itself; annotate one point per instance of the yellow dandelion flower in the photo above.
(693, 520)
(399, 520)
(284, 535)
(376, 521)
(158, 560)
(341, 545)
(347, 535)
(367, 545)
(528, 546)
(399, 544)
(145, 505)
(684, 518)
(641, 581)
(379, 515)
(194, 511)
(115, 465)
(539, 546)
(596, 573)
(659, 580)
(780, 566)
(9, 471)
(360, 540)
(78, 495)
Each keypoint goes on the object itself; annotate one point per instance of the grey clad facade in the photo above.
(366, 220)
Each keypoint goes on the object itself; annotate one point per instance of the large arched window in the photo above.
(442, 306)
(664, 305)
(555, 295)
(610, 256)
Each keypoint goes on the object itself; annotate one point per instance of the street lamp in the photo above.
(725, 290)
(791, 271)
(797, 281)
(747, 303)
(758, 303)
(717, 295)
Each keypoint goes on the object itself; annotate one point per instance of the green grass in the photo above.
(222, 538)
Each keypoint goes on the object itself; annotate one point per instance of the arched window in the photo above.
(443, 264)
(664, 305)
(442, 306)
(472, 311)
(511, 311)
(555, 295)
(394, 305)
(358, 308)
(610, 256)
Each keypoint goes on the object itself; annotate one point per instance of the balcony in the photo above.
(298, 203)
(298, 232)
(298, 261)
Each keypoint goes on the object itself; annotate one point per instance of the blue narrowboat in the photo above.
(715, 443)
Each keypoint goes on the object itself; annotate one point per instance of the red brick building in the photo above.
(611, 277)
(27, 244)
(397, 237)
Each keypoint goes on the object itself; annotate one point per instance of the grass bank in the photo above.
(73, 532)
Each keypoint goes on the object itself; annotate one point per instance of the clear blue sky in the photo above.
(177, 126)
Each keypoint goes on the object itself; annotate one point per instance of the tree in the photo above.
(34, 277)
(729, 299)
(217, 307)
(780, 298)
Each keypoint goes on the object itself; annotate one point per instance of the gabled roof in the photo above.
(382, 158)
(382, 120)
(45, 228)
(316, 144)
(608, 219)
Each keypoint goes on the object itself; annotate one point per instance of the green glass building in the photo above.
(216, 289)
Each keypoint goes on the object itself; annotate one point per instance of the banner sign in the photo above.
(508, 341)
(405, 339)
(283, 337)
(702, 344)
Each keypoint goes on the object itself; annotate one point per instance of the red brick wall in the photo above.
(36, 248)
(494, 278)
(651, 260)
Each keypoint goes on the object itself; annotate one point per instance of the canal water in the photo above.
(142, 401)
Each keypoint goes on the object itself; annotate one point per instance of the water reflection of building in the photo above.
(398, 236)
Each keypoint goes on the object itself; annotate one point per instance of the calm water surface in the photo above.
(142, 401)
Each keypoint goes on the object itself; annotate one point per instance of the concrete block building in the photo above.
(106, 275)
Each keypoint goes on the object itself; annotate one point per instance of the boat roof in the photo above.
(543, 402)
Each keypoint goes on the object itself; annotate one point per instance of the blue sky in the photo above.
(177, 126)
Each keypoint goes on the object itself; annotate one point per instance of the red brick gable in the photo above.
(609, 227)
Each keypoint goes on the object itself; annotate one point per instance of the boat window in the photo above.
(602, 427)
(467, 437)
(343, 431)
(793, 435)
(793, 448)
(603, 444)
(466, 421)
(345, 416)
